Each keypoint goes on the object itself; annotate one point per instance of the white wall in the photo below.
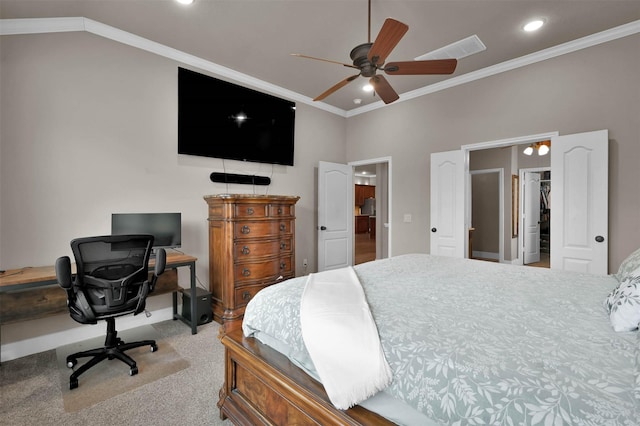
(89, 127)
(592, 89)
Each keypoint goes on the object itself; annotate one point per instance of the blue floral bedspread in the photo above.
(473, 342)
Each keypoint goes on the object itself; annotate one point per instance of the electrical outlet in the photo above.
(407, 218)
(305, 263)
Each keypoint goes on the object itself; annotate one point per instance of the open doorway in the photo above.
(513, 232)
(486, 240)
(578, 223)
(535, 220)
(336, 212)
(371, 210)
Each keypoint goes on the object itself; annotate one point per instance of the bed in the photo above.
(468, 342)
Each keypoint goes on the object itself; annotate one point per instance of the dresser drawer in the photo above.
(244, 294)
(251, 250)
(286, 266)
(281, 210)
(270, 269)
(262, 229)
(250, 210)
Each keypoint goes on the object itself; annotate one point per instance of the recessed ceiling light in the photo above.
(367, 88)
(185, 1)
(534, 25)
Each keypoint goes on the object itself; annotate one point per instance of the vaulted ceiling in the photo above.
(257, 37)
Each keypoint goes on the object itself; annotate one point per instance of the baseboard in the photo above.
(45, 342)
(486, 255)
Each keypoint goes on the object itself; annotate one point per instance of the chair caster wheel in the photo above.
(73, 383)
(72, 363)
(133, 371)
(154, 348)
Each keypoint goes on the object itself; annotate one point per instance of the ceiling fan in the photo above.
(369, 58)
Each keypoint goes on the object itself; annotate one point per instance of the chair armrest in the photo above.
(161, 262)
(63, 272)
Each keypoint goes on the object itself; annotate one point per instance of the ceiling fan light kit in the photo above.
(369, 58)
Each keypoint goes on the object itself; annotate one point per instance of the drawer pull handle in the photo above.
(279, 210)
(283, 227)
(246, 272)
(246, 295)
(283, 265)
(245, 229)
(250, 210)
(245, 250)
(283, 246)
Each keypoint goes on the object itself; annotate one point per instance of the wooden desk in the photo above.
(176, 260)
(41, 276)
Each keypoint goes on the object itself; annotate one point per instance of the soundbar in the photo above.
(243, 179)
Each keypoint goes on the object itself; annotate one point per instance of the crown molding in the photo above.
(542, 55)
(40, 25)
(71, 24)
(56, 25)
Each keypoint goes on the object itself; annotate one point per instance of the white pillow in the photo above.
(630, 266)
(623, 304)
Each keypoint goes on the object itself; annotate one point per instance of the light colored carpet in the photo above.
(31, 391)
(111, 377)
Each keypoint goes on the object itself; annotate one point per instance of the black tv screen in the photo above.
(166, 228)
(223, 120)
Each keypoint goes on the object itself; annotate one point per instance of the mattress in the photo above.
(472, 342)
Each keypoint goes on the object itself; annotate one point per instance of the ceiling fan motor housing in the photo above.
(360, 59)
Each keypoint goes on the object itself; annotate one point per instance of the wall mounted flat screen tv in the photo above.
(223, 120)
(166, 228)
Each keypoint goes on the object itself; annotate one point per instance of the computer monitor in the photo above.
(166, 228)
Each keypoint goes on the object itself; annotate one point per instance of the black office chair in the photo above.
(112, 280)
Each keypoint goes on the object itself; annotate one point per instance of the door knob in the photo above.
(599, 238)
(323, 228)
(433, 229)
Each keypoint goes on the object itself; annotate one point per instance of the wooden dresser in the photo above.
(251, 246)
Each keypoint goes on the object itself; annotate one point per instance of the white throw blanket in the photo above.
(342, 338)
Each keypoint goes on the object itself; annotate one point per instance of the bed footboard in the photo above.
(262, 387)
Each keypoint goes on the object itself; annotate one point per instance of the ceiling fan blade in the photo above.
(383, 89)
(336, 87)
(388, 37)
(436, 66)
(324, 60)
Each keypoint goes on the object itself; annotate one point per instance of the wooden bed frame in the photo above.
(262, 387)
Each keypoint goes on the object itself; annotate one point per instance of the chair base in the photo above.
(114, 348)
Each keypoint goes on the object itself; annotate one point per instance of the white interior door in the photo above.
(579, 206)
(447, 204)
(335, 216)
(531, 217)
